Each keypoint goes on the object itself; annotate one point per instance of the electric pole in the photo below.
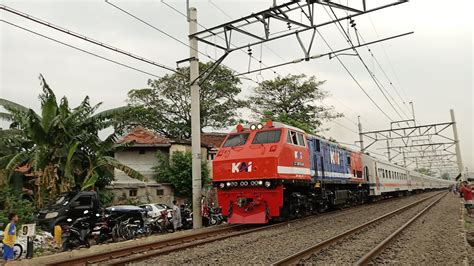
(361, 138)
(195, 118)
(458, 146)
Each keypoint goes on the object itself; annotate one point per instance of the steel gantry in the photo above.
(430, 146)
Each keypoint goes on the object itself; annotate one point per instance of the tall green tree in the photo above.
(61, 144)
(166, 105)
(292, 100)
(177, 170)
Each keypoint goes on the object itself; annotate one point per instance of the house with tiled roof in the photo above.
(140, 155)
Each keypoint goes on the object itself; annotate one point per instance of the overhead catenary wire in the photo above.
(389, 61)
(348, 39)
(169, 35)
(85, 38)
(220, 37)
(79, 49)
(353, 78)
(279, 56)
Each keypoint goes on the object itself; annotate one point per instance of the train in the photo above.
(272, 171)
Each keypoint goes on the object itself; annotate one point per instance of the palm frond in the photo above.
(68, 167)
(107, 160)
(90, 181)
(12, 106)
(16, 161)
(6, 116)
(4, 160)
(111, 113)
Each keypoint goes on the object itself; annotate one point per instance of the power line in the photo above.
(156, 28)
(85, 38)
(388, 59)
(79, 49)
(385, 74)
(220, 37)
(170, 36)
(228, 16)
(360, 58)
(352, 76)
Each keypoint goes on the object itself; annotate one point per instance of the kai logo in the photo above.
(334, 157)
(241, 167)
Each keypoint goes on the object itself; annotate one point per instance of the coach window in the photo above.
(300, 139)
(270, 136)
(236, 140)
(318, 145)
(386, 174)
(366, 173)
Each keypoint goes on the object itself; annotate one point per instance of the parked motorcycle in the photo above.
(102, 230)
(162, 223)
(215, 216)
(78, 233)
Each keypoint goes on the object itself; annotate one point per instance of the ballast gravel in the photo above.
(350, 249)
(265, 247)
(437, 238)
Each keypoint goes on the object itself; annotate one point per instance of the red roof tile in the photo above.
(213, 140)
(140, 135)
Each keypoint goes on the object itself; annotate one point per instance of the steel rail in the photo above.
(126, 251)
(297, 257)
(372, 254)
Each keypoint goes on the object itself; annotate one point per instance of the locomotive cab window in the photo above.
(270, 136)
(296, 138)
(236, 140)
(300, 139)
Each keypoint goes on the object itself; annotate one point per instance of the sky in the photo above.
(433, 68)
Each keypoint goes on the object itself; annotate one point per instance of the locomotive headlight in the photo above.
(268, 184)
(260, 182)
(228, 184)
(222, 185)
(259, 126)
(253, 127)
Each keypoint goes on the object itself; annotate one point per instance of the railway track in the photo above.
(143, 251)
(364, 260)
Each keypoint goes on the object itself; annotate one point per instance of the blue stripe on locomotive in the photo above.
(321, 163)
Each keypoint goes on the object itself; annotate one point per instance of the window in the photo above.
(366, 172)
(270, 136)
(141, 151)
(348, 160)
(301, 139)
(386, 174)
(318, 145)
(236, 140)
(294, 138)
(132, 192)
(160, 192)
(84, 201)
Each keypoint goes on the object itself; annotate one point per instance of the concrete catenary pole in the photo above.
(361, 138)
(195, 119)
(458, 146)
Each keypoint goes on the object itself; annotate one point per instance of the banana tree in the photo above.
(61, 145)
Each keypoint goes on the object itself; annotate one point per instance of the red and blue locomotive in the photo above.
(274, 171)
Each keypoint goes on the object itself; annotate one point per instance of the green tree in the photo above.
(62, 144)
(293, 101)
(445, 176)
(177, 170)
(166, 105)
(425, 171)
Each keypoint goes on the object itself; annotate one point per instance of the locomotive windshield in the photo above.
(271, 136)
(236, 140)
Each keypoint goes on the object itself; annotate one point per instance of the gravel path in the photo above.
(351, 249)
(436, 238)
(268, 246)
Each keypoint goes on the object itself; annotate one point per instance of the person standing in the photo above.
(466, 190)
(9, 238)
(176, 215)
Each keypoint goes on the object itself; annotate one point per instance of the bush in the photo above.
(12, 201)
(106, 197)
(178, 172)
